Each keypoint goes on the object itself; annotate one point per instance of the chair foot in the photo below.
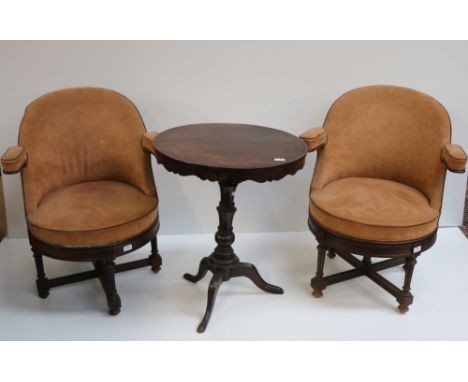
(318, 284)
(107, 278)
(331, 254)
(42, 287)
(403, 309)
(317, 293)
(42, 283)
(156, 262)
(405, 299)
(155, 258)
(114, 306)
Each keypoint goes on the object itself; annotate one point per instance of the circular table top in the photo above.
(230, 152)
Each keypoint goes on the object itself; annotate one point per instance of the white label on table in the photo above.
(127, 248)
(279, 160)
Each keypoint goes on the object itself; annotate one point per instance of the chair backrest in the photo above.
(386, 132)
(80, 135)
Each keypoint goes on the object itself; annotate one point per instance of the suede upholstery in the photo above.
(314, 138)
(92, 214)
(87, 180)
(147, 142)
(454, 158)
(380, 175)
(373, 209)
(14, 159)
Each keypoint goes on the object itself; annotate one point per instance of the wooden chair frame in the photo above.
(102, 259)
(397, 253)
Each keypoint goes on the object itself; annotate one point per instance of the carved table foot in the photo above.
(248, 270)
(215, 283)
(202, 269)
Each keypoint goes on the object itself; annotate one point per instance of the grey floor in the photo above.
(166, 307)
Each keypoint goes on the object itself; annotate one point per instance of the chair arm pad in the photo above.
(147, 141)
(315, 138)
(454, 158)
(14, 159)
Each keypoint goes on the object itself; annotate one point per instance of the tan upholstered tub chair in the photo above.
(88, 187)
(377, 188)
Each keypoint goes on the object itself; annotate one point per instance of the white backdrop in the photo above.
(286, 85)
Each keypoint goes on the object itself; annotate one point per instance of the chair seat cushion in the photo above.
(92, 214)
(373, 209)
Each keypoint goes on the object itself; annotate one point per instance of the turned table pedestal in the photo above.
(229, 154)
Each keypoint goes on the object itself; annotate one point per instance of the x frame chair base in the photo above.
(102, 259)
(398, 253)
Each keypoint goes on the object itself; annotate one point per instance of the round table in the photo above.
(229, 154)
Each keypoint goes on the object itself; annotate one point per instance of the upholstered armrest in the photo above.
(14, 159)
(454, 158)
(147, 141)
(314, 138)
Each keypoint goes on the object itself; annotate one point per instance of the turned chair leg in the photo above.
(405, 298)
(318, 284)
(155, 258)
(107, 277)
(42, 284)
